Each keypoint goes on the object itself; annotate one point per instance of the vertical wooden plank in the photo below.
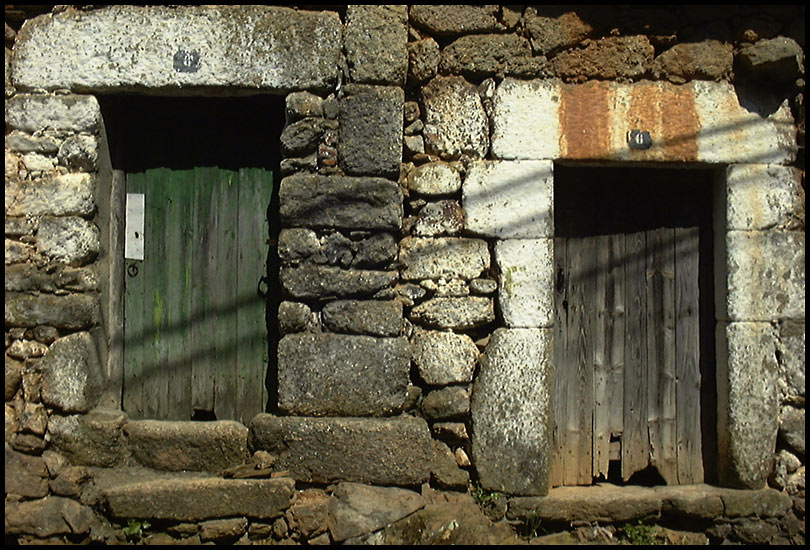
(661, 351)
(616, 335)
(561, 364)
(227, 200)
(178, 295)
(203, 275)
(635, 442)
(602, 325)
(687, 350)
(134, 288)
(255, 188)
(155, 396)
(579, 406)
(608, 349)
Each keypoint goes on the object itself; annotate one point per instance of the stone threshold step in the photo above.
(607, 503)
(129, 493)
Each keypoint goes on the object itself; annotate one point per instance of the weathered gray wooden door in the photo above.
(195, 331)
(627, 369)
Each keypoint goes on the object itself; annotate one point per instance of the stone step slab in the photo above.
(179, 499)
(376, 451)
(187, 446)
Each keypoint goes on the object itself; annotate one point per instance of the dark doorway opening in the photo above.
(200, 309)
(634, 390)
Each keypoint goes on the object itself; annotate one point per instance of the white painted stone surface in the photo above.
(510, 199)
(526, 282)
(765, 276)
(737, 129)
(159, 47)
(747, 402)
(525, 121)
(763, 196)
(443, 257)
(511, 412)
(700, 121)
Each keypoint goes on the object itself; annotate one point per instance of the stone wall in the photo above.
(416, 251)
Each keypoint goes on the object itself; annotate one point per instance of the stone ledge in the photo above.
(194, 499)
(608, 503)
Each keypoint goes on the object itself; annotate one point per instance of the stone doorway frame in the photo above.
(538, 123)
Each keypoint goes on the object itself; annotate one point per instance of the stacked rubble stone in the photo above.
(417, 230)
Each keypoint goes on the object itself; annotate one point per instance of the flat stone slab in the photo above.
(258, 47)
(444, 257)
(342, 375)
(193, 446)
(376, 451)
(196, 499)
(609, 503)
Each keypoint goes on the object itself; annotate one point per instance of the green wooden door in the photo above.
(195, 332)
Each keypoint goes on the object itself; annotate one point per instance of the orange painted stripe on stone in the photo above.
(585, 113)
(668, 113)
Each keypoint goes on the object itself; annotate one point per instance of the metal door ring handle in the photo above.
(132, 270)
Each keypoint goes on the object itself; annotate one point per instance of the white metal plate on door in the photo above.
(133, 232)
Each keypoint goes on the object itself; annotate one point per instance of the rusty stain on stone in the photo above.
(584, 114)
(668, 113)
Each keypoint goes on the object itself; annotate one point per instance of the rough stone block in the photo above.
(72, 376)
(451, 20)
(340, 202)
(510, 199)
(483, 55)
(356, 509)
(372, 317)
(439, 218)
(377, 451)
(526, 282)
(192, 446)
(93, 439)
(747, 403)
(511, 412)
(63, 195)
(448, 403)
(791, 356)
(70, 240)
(25, 475)
(601, 59)
(342, 375)
(765, 276)
(454, 313)
(199, 499)
(550, 34)
(444, 357)
(423, 59)
(48, 517)
(259, 47)
(434, 178)
(370, 135)
(302, 137)
(763, 196)
(318, 282)
(33, 113)
(443, 258)
(455, 121)
(27, 143)
(706, 60)
(74, 311)
(375, 41)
